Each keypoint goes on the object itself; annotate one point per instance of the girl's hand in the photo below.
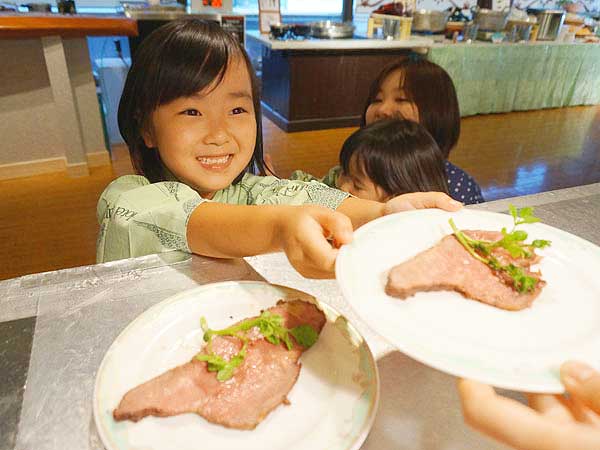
(304, 234)
(551, 422)
(421, 200)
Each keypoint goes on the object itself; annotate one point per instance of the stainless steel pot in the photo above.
(425, 20)
(490, 20)
(38, 7)
(550, 22)
(327, 29)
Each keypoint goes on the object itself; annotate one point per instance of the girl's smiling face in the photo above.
(391, 101)
(208, 139)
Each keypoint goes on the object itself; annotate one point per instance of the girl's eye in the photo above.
(401, 100)
(377, 100)
(238, 110)
(191, 112)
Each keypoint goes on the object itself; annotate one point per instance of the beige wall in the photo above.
(28, 118)
(49, 112)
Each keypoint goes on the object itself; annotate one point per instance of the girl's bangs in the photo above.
(192, 61)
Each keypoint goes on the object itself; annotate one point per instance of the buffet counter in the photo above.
(49, 112)
(321, 83)
(495, 78)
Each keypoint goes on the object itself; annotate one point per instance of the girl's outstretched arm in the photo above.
(362, 211)
(302, 232)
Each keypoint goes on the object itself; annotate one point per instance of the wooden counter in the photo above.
(27, 25)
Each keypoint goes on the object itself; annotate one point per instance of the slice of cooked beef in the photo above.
(258, 385)
(448, 266)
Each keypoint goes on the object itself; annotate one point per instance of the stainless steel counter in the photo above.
(55, 328)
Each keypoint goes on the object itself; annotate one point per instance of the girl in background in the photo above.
(389, 158)
(421, 91)
(190, 115)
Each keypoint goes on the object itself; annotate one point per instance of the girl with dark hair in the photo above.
(419, 90)
(190, 115)
(391, 157)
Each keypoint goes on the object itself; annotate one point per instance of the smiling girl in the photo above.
(190, 115)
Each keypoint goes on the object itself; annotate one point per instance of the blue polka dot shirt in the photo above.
(462, 186)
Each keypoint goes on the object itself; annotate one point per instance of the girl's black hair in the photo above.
(399, 156)
(179, 59)
(431, 89)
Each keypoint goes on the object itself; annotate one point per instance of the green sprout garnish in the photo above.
(513, 242)
(270, 326)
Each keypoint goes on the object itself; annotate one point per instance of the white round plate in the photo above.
(333, 403)
(519, 350)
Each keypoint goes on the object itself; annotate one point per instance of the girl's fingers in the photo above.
(317, 251)
(507, 420)
(582, 382)
(318, 256)
(336, 226)
(553, 407)
(422, 200)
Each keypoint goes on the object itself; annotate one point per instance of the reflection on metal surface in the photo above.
(16, 337)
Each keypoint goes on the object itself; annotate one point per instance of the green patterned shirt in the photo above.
(330, 179)
(140, 218)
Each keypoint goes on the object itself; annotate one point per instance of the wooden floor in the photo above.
(49, 221)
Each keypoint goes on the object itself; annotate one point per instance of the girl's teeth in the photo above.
(220, 160)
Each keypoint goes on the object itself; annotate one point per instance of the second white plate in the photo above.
(519, 350)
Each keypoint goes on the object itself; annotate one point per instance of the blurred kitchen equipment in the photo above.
(327, 29)
(300, 30)
(550, 22)
(518, 32)
(405, 27)
(458, 15)
(569, 37)
(38, 7)
(489, 20)
(8, 7)
(522, 28)
(470, 32)
(429, 21)
(491, 36)
(454, 27)
(394, 9)
(66, 6)
(535, 28)
(390, 28)
(279, 30)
